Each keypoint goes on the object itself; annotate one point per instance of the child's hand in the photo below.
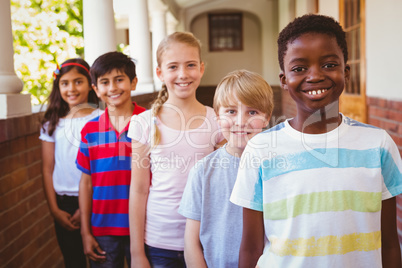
(64, 219)
(92, 248)
(76, 219)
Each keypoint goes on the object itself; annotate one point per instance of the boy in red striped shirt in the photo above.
(104, 158)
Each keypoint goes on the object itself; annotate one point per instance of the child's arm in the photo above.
(252, 242)
(139, 190)
(62, 217)
(391, 253)
(91, 246)
(193, 253)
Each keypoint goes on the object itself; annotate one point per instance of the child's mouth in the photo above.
(316, 91)
(115, 96)
(241, 132)
(73, 97)
(184, 84)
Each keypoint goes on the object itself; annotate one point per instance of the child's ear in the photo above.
(282, 79)
(202, 68)
(347, 73)
(134, 84)
(267, 119)
(159, 74)
(95, 88)
(219, 119)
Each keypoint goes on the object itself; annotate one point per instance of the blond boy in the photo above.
(243, 102)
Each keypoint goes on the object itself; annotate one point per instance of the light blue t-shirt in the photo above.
(206, 199)
(320, 194)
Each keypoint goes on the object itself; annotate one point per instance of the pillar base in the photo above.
(10, 83)
(14, 105)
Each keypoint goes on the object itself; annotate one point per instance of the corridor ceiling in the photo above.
(176, 5)
(189, 3)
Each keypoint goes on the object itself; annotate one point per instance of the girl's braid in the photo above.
(156, 107)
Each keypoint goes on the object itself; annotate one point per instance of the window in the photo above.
(352, 24)
(353, 101)
(225, 32)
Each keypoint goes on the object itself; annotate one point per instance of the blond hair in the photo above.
(248, 87)
(177, 37)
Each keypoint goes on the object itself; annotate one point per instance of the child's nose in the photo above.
(241, 119)
(182, 73)
(112, 86)
(315, 74)
(71, 87)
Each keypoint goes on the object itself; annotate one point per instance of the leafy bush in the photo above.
(45, 32)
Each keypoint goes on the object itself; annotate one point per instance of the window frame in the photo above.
(211, 37)
(354, 102)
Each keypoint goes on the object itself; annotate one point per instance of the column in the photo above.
(171, 23)
(287, 11)
(12, 103)
(305, 7)
(158, 33)
(140, 45)
(99, 28)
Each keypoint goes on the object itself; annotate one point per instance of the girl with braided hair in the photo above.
(167, 141)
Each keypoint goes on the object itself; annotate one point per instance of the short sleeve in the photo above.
(191, 202)
(140, 127)
(83, 160)
(247, 191)
(391, 168)
(44, 133)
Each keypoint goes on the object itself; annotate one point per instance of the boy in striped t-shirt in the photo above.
(104, 157)
(318, 189)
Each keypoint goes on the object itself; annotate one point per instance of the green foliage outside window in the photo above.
(45, 32)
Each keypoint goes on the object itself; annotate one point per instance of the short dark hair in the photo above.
(112, 61)
(311, 23)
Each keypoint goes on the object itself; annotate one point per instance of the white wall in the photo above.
(289, 9)
(329, 8)
(267, 13)
(121, 36)
(305, 7)
(218, 64)
(287, 12)
(384, 49)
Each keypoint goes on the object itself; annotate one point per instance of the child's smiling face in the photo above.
(314, 72)
(239, 123)
(115, 88)
(181, 70)
(74, 88)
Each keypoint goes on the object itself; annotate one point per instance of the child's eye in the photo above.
(330, 65)
(230, 111)
(172, 67)
(192, 65)
(64, 83)
(298, 69)
(104, 82)
(253, 112)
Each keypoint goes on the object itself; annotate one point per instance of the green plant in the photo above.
(45, 32)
